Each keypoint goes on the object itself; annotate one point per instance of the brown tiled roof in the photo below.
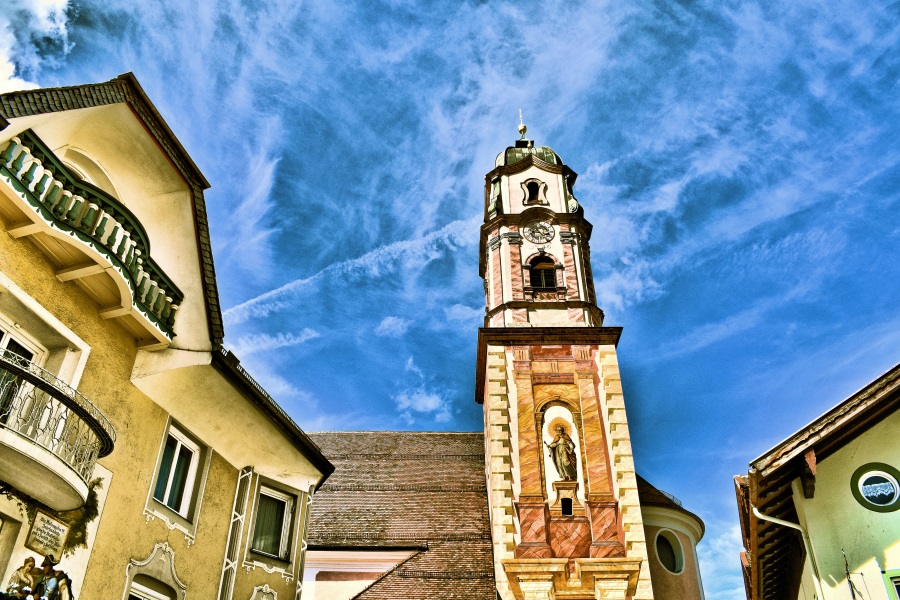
(650, 495)
(125, 88)
(421, 491)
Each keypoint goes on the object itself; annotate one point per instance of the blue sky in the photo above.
(739, 162)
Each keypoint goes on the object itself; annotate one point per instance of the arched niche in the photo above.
(556, 414)
(535, 192)
(89, 169)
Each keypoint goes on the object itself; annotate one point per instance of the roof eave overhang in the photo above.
(771, 475)
(838, 426)
(228, 366)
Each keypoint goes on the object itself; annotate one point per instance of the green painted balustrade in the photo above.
(95, 218)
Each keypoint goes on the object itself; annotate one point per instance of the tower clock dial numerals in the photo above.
(538, 232)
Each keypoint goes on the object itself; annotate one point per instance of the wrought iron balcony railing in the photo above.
(95, 218)
(38, 406)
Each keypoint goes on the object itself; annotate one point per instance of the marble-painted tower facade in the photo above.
(566, 517)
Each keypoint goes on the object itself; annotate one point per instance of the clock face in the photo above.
(539, 232)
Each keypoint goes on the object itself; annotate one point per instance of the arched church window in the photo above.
(534, 189)
(543, 273)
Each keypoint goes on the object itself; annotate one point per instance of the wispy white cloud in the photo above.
(461, 312)
(392, 327)
(23, 25)
(403, 256)
(720, 562)
(252, 343)
(422, 399)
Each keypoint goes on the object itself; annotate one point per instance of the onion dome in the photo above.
(523, 149)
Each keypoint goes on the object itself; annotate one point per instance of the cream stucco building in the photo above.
(820, 512)
(133, 448)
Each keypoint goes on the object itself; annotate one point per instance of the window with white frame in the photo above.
(146, 588)
(12, 385)
(139, 592)
(177, 472)
(272, 528)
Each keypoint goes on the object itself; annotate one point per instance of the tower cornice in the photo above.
(529, 336)
(528, 162)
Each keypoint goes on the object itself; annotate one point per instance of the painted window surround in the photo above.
(892, 583)
(284, 536)
(188, 522)
(72, 366)
(252, 559)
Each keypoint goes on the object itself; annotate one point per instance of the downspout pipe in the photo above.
(806, 544)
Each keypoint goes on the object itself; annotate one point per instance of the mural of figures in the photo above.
(46, 582)
(22, 581)
(562, 450)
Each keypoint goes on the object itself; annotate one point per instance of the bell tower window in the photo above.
(535, 192)
(543, 273)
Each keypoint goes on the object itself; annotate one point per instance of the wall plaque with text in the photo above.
(47, 535)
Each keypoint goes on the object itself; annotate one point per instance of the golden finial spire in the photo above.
(522, 128)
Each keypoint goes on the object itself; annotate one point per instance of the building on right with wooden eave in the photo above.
(820, 512)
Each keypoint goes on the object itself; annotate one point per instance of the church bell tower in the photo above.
(565, 516)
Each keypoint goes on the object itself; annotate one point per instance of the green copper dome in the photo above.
(524, 148)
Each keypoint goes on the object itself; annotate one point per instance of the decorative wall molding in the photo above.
(152, 515)
(264, 592)
(252, 565)
(235, 532)
(160, 565)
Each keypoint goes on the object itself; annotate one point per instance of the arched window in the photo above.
(543, 273)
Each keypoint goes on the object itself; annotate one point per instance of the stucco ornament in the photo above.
(562, 451)
(264, 592)
(160, 565)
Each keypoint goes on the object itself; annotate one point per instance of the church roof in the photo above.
(421, 491)
(522, 150)
(652, 496)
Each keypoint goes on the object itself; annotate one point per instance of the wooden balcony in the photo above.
(91, 237)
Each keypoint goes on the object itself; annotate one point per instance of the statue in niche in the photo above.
(562, 451)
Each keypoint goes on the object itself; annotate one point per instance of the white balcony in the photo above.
(50, 435)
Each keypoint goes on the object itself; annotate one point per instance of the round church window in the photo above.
(668, 551)
(877, 487)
